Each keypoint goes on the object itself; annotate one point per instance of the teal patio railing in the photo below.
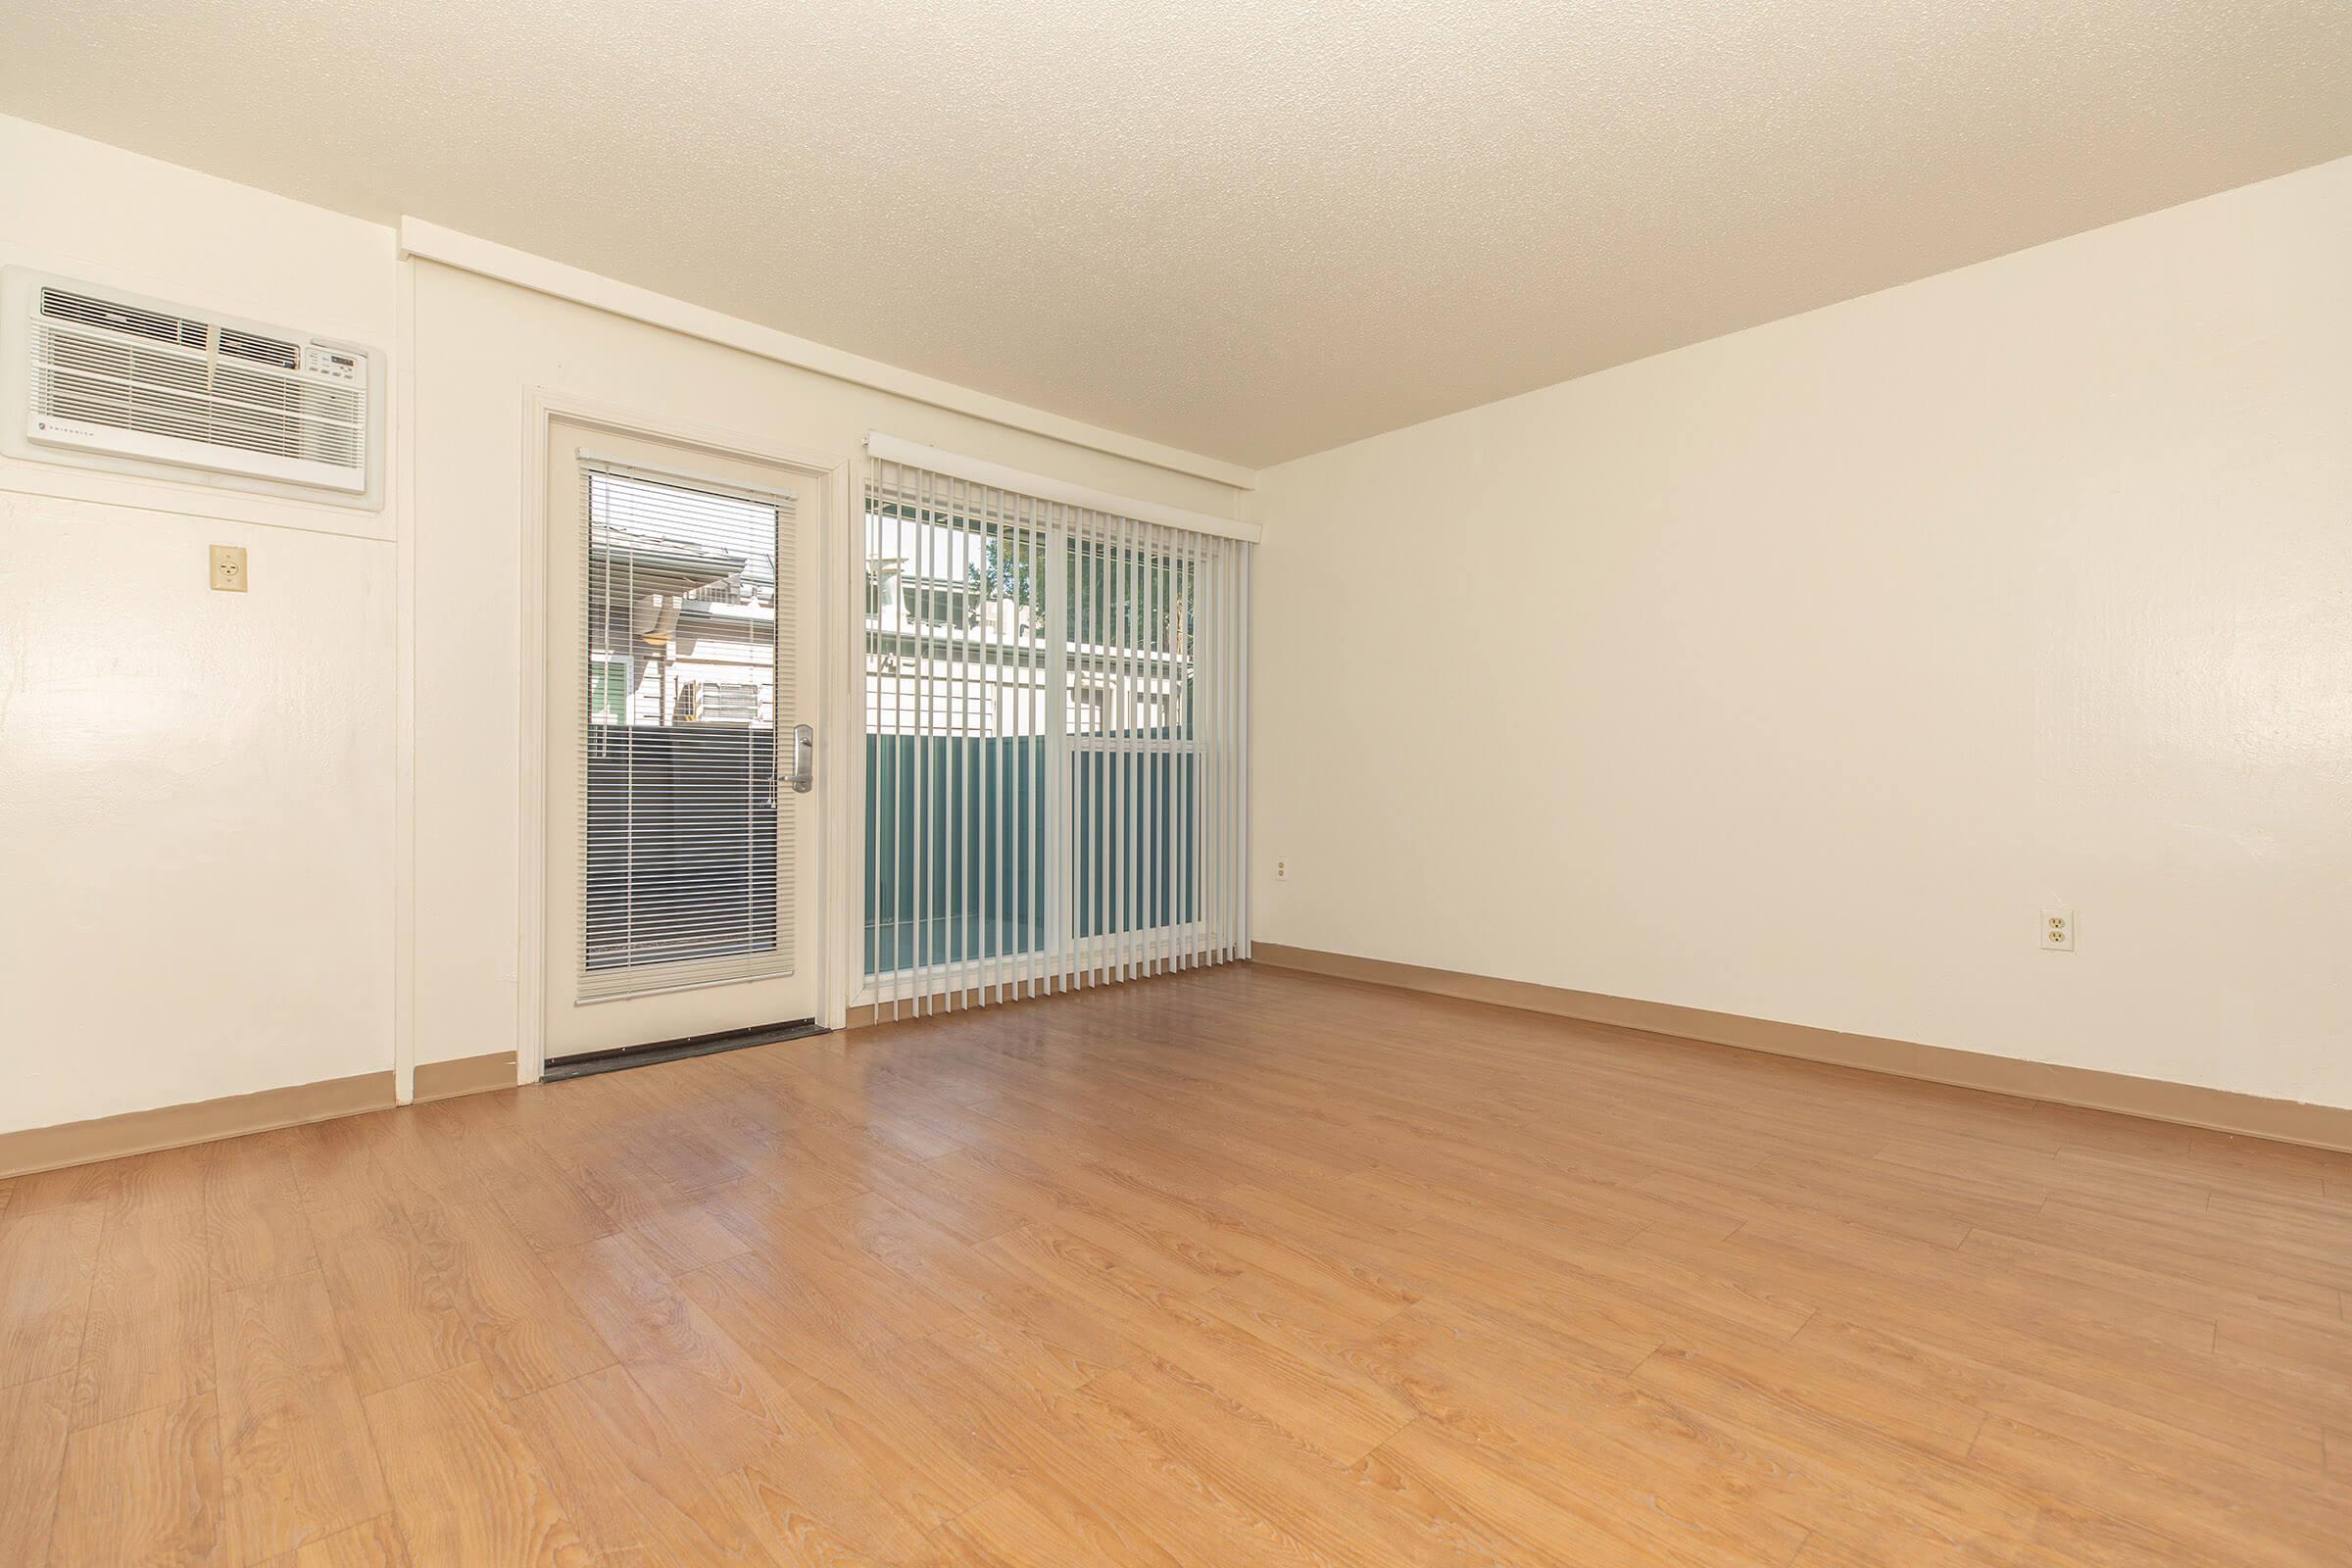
(959, 873)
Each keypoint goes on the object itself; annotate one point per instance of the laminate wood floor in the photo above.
(1228, 1269)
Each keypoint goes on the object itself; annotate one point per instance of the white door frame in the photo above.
(835, 558)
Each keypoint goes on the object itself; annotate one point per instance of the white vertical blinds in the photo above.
(1056, 736)
(685, 656)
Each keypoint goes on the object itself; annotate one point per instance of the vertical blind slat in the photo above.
(1239, 749)
(1122, 814)
(925, 793)
(890, 783)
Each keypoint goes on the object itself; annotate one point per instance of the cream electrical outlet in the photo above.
(228, 568)
(1282, 870)
(2057, 930)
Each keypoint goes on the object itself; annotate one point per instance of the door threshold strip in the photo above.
(596, 1061)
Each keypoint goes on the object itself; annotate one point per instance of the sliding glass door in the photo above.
(1054, 744)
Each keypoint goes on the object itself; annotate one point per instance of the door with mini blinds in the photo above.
(682, 778)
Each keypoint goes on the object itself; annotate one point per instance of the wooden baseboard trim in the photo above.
(468, 1075)
(141, 1131)
(204, 1121)
(2284, 1121)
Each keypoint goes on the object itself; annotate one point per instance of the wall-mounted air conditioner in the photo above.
(100, 379)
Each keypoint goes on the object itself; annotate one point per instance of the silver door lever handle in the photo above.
(802, 777)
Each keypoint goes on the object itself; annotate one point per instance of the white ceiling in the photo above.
(1247, 228)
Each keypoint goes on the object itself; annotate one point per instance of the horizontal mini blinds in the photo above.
(1056, 786)
(689, 606)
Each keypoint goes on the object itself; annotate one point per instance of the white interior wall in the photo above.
(1794, 674)
(1789, 674)
(195, 874)
(202, 872)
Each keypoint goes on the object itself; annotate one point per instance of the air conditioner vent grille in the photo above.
(253, 346)
(110, 375)
(132, 320)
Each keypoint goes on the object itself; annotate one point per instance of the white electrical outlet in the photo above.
(2057, 930)
(1282, 870)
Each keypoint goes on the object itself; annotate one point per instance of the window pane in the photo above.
(955, 732)
(679, 857)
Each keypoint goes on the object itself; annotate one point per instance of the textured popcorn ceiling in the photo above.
(1250, 229)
